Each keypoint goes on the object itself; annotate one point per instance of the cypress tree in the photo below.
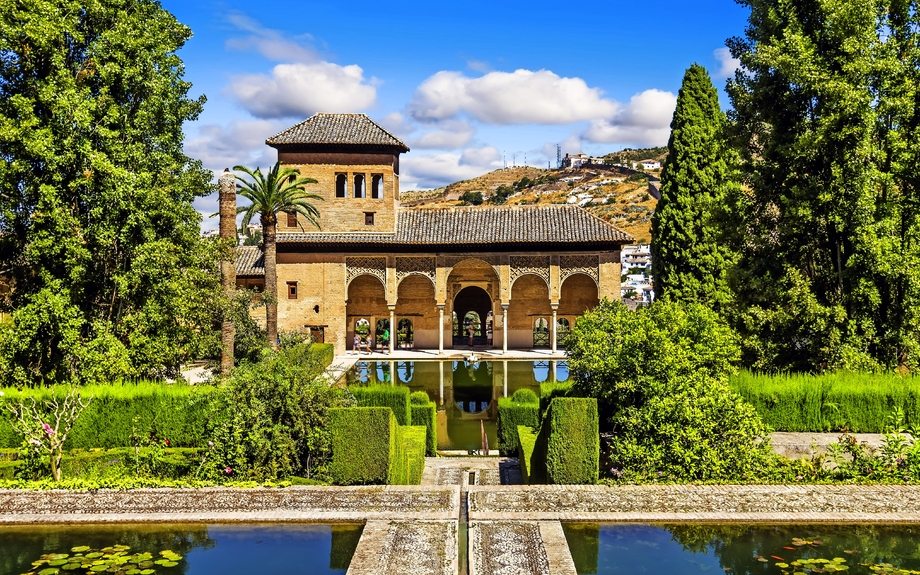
(689, 258)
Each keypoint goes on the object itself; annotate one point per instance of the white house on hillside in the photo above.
(650, 164)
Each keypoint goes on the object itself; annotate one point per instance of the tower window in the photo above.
(341, 184)
(291, 220)
(292, 290)
(359, 186)
(368, 218)
(377, 186)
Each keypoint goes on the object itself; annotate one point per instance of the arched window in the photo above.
(405, 333)
(540, 332)
(341, 185)
(377, 186)
(562, 330)
(382, 333)
(359, 186)
(362, 329)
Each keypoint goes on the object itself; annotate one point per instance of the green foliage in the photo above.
(471, 198)
(392, 396)
(527, 441)
(827, 119)
(363, 439)
(426, 414)
(408, 460)
(521, 409)
(249, 338)
(324, 353)
(690, 259)
(572, 441)
(104, 464)
(550, 390)
(858, 402)
(97, 227)
(270, 419)
(501, 194)
(176, 412)
(280, 190)
(624, 358)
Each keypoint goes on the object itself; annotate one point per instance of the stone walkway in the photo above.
(512, 529)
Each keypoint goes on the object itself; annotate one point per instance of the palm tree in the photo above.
(278, 191)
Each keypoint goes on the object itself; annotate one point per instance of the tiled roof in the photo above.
(551, 224)
(250, 261)
(341, 129)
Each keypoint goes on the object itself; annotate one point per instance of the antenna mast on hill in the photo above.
(558, 156)
(504, 159)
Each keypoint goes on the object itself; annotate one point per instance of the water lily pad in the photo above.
(99, 568)
(782, 565)
(147, 572)
(71, 567)
(57, 562)
(80, 549)
(170, 564)
(49, 571)
(93, 555)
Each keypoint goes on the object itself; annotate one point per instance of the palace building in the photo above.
(514, 276)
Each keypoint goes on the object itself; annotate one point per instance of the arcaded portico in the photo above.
(516, 277)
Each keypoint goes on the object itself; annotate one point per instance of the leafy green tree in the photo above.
(471, 198)
(690, 257)
(280, 190)
(827, 114)
(660, 377)
(97, 230)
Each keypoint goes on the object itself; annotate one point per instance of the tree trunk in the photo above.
(227, 198)
(271, 279)
(56, 457)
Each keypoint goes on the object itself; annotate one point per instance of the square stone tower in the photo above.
(356, 165)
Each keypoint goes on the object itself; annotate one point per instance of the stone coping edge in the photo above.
(214, 518)
(779, 518)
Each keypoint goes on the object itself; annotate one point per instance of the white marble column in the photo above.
(393, 335)
(504, 328)
(441, 333)
(553, 331)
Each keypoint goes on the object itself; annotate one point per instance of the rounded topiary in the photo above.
(419, 398)
(525, 396)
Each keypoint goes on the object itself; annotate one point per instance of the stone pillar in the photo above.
(227, 201)
(553, 330)
(441, 332)
(504, 328)
(392, 328)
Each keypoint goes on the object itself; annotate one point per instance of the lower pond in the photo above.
(225, 549)
(607, 549)
(466, 392)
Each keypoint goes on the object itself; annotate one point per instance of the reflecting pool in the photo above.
(743, 549)
(178, 549)
(465, 392)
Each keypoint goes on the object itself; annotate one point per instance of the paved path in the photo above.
(484, 470)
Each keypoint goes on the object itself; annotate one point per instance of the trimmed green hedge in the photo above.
(573, 443)
(527, 440)
(112, 463)
(392, 396)
(519, 409)
(324, 352)
(550, 390)
(363, 442)
(812, 403)
(176, 412)
(425, 414)
(409, 462)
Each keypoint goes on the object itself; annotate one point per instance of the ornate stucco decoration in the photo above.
(580, 264)
(536, 265)
(365, 265)
(423, 266)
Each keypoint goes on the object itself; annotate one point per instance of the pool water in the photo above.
(204, 549)
(606, 549)
(466, 393)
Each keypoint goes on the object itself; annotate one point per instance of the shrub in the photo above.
(527, 440)
(550, 390)
(392, 396)
(114, 463)
(411, 464)
(572, 441)
(522, 408)
(324, 352)
(117, 412)
(363, 441)
(270, 419)
(859, 402)
(425, 414)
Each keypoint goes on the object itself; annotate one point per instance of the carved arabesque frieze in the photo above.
(365, 265)
(424, 266)
(536, 265)
(578, 264)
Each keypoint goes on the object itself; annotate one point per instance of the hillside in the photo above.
(614, 194)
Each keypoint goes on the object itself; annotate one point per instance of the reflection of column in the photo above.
(393, 374)
(441, 369)
(505, 369)
(441, 332)
(504, 328)
(393, 335)
(553, 332)
(552, 370)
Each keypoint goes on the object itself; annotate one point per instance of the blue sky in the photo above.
(466, 85)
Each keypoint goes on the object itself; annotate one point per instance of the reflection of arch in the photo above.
(540, 371)
(562, 371)
(540, 332)
(405, 370)
(383, 372)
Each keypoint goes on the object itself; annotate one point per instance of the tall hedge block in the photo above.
(324, 352)
(392, 396)
(511, 415)
(572, 441)
(426, 415)
(550, 390)
(364, 441)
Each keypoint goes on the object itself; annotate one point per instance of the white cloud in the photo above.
(646, 120)
(435, 170)
(271, 44)
(478, 66)
(302, 89)
(727, 64)
(450, 135)
(239, 143)
(520, 97)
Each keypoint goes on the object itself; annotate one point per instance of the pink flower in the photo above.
(48, 430)
(227, 470)
(166, 441)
